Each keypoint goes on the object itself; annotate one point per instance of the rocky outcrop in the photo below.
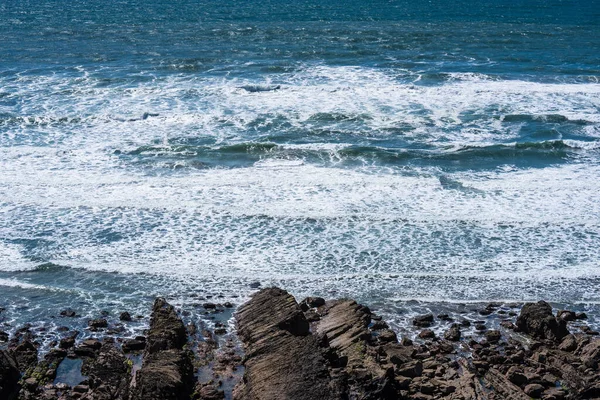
(9, 376)
(167, 371)
(108, 374)
(537, 320)
(283, 359)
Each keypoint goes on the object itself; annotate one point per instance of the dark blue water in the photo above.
(385, 150)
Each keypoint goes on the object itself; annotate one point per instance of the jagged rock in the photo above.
(503, 386)
(88, 348)
(311, 302)
(453, 334)
(108, 374)
(3, 336)
(423, 321)
(165, 375)
(167, 330)
(283, 359)
(9, 375)
(566, 315)
(25, 353)
(537, 320)
(167, 372)
(590, 354)
(130, 345)
(412, 369)
(125, 316)
(569, 343)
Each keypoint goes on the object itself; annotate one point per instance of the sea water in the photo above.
(408, 154)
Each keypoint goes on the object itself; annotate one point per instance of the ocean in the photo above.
(413, 155)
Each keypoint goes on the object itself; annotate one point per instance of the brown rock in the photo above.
(283, 359)
(534, 390)
(453, 334)
(537, 320)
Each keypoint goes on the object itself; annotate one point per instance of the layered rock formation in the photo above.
(316, 349)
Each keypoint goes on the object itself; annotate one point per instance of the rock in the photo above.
(581, 315)
(553, 394)
(167, 372)
(426, 334)
(387, 336)
(453, 334)
(98, 323)
(108, 374)
(66, 343)
(9, 375)
(590, 354)
(209, 306)
(131, 345)
(312, 302)
(566, 315)
(423, 321)
(516, 376)
(537, 320)
(167, 330)
(125, 316)
(254, 285)
(227, 304)
(379, 325)
(88, 348)
(283, 360)
(68, 313)
(165, 375)
(410, 370)
(534, 390)
(3, 336)
(493, 336)
(25, 354)
(569, 343)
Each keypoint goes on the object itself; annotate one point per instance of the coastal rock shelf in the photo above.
(315, 349)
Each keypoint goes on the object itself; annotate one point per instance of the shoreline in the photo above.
(332, 349)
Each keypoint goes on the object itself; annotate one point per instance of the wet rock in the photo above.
(581, 315)
(131, 345)
(379, 325)
(254, 285)
(25, 354)
(3, 336)
(125, 316)
(282, 359)
(537, 320)
(9, 375)
(387, 336)
(209, 306)
(566, 315)
(227, 304)
(68, 313)
(167, 330)
(453, 334)
(167, 372)
(311, 302)
(423, 321)
(108, 374)
(98, 323)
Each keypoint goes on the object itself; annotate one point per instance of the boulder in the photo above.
(537, 320)
(108, 374)
(423, 321)
(453, 334)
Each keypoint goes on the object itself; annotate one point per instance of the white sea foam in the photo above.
(399, 232)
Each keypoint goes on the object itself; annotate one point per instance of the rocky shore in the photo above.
(315, 349)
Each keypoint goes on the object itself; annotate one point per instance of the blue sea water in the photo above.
(446, 152)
